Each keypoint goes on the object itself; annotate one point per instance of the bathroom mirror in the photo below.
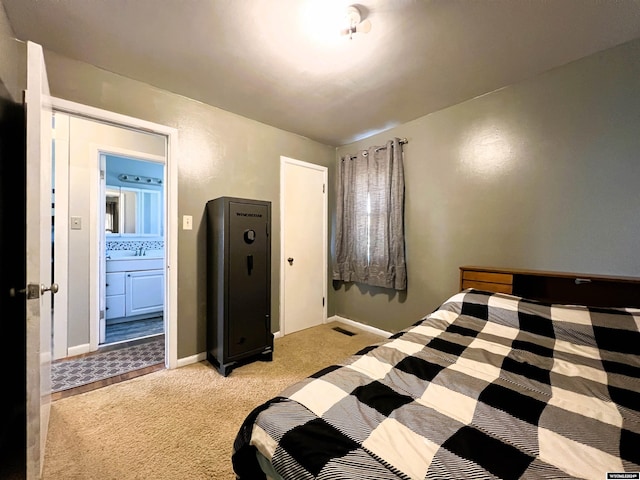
(132, 211)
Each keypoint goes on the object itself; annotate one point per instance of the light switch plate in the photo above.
(76, 223)
(187, 222)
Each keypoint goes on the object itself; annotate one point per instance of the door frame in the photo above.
(171, 202)
(61, 237)
(325, 234)
(97, 248)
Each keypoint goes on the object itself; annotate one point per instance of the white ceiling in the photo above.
(262, 58)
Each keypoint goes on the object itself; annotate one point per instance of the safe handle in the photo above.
(249, 263)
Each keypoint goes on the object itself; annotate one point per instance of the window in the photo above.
(370, 218)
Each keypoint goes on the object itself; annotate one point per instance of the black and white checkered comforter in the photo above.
(487, 386)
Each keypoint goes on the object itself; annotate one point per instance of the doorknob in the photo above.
(290, 260)
(53, 288)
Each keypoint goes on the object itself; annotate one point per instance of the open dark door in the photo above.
(25, 272)
(13, 440)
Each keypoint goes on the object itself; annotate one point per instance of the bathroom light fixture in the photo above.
(354, 22)
(128, 177)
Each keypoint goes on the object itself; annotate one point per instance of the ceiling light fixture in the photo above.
(355, 22)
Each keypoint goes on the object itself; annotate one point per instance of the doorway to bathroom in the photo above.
(96, 158)
(101, 213)
(132, 250)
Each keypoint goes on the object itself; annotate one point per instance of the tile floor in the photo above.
(119, 332)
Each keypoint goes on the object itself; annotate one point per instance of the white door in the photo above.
(39, 258)
(304, 245)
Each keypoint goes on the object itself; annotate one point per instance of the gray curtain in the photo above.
(370, 218)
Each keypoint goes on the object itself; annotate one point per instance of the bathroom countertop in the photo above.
(119, 254)
(133, 263)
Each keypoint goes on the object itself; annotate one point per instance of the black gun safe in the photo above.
(238, 282)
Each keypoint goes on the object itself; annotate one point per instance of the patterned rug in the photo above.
(68, 374)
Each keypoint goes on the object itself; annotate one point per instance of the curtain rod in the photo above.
(403, 141)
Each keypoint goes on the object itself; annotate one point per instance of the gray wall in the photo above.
(544, 174)
(13, 61)
(220, 154)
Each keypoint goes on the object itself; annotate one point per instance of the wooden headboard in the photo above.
(555, 287)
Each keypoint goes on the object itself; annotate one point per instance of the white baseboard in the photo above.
(277, 334)
(78, 350)
(361, 326)
(183, 362)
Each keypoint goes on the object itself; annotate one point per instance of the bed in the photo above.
(490, 385)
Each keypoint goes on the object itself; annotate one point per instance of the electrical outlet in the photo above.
(187, 222)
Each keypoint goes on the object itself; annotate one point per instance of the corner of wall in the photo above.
(13, 60)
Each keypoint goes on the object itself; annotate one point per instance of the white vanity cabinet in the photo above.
(114, 291)
(134, 286)
(144, 292)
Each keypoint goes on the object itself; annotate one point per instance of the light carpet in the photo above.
(180, 424)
